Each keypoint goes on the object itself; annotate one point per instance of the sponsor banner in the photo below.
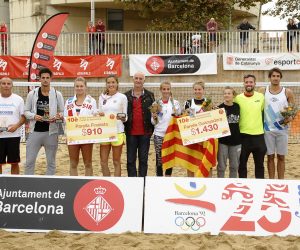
(261, 61)
(203, 126)
(44, 44)
(65, 66)
(91, 129)
(197, 64)
(233, 206)
(104, 205)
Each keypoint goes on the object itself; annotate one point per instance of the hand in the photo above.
(12, 128)
(38, 118)
(154, 115)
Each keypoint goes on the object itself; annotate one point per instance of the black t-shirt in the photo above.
(233, 117)
(42, 102)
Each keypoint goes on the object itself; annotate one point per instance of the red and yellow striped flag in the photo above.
(198, 158)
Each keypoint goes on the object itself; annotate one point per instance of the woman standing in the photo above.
(80, 105)
(113, 102)
(160, 119)
(196, 105)
(230, 146)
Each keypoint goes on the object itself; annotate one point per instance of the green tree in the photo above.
(188, 15)
(285, 8)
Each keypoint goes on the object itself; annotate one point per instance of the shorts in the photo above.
(276, 142)
(10, 150)
(121, 140)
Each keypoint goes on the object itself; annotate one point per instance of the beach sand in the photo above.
(59, 240)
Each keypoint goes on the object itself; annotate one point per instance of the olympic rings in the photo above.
(190, 223)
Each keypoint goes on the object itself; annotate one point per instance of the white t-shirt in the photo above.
(114, 104)
(11, 110)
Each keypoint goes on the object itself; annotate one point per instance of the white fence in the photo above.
(147, 42)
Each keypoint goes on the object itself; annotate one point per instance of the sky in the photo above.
(272, 23)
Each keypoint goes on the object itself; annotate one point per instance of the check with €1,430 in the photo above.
(91, 129)
(203, 126)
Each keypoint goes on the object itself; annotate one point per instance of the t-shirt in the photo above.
(251, 115)
(233, 118)
(11, 110)
(41, 104)
(114, 104)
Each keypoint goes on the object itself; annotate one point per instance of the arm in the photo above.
(290, 96)
(28, 106)
(12, 128)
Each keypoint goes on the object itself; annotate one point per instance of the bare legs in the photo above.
(15, 169)
(116, 155)
(280, 166)
(86, 151)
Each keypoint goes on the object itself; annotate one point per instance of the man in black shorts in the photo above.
(11, 119)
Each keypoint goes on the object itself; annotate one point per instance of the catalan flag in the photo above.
(198, 158)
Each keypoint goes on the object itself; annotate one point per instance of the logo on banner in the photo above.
(57, 64)
(155, 65)
(192, 219)
(230, 60)
(269, 61)
(3, 64)
(110, 63)
(98, 205)
(83, 63)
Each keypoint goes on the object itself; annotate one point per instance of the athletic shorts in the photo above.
(276, 142)
(10, 150)
(121, 140)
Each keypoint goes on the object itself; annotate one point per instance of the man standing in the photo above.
(251, 127)
(11, 119)
(276, 130)
(44, 108)
(138, 127)
(245, 26)
(3, 38)
(100, 29)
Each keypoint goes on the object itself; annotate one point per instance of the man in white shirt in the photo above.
(11, 119)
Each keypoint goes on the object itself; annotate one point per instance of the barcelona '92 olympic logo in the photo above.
(190, 223)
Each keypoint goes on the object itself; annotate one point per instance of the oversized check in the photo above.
(91, 129)
(203, 126)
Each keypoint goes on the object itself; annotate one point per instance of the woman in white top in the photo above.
(113, 102)
(195, 106)
(161, 120)
(80, 105)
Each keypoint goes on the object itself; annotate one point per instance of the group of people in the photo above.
(96, 37)
(293, 33)
(254, 117)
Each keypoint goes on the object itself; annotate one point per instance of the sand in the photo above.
(59, 240)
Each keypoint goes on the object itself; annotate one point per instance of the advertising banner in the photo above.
(233, 206)
(197, 64)
(44, 45)
(203, 126)
(65, 66)
(261, 61)
(103, 205)
(91, 129)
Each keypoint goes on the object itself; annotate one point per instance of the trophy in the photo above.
(3, 126)
(121, 115)
(46, 116)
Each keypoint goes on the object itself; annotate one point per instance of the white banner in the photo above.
(196, 64)
(261, 61)
(232, 206)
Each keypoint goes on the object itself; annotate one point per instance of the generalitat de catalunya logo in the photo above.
(98, 205)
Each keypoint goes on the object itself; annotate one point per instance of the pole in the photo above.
(93, 12)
